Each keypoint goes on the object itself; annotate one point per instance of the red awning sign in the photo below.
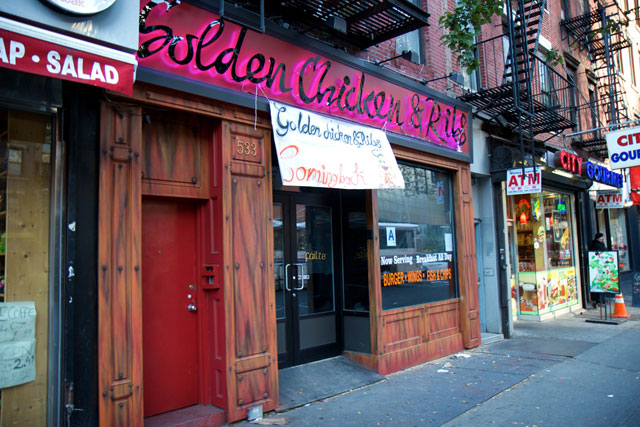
(37, 51)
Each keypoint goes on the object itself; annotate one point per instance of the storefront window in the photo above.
(356, 278)
(417, 239)
(546, 259)
(602, 220)
(25, 197)
(618, 226)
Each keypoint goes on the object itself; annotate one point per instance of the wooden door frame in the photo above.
(119, 293)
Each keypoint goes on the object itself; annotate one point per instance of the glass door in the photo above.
(305, 278)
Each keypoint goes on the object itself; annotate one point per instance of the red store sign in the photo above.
(37, 51)
(576, 164)
(185, 40)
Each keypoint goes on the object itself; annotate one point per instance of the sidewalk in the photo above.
(561, 372)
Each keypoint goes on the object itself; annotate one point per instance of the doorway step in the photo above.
(192, 416)
(488, 338)
(314, 381)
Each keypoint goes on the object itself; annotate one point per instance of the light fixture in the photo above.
(454, 77)
(409, 55)
(563, 173)
(523, 218)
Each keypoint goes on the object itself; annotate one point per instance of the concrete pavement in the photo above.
(561, 372)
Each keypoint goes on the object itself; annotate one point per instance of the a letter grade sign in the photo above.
(34, 50)
(319, 151)
(624, 148)
(517, 183)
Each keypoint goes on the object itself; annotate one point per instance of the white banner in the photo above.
(609, 199)
(319, 151)
(17, 343)
(624, 148)
(517, 183)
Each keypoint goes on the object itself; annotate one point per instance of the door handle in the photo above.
(286, 277)
(192, 307)
(301, 277)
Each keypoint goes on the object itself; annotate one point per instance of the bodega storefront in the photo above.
(257, 255)
(545, 246)
(546, 233)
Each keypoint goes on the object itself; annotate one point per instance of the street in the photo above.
(561, 372)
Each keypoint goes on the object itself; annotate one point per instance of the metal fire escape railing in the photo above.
(603, 33)
(519, 90)
(342, 23)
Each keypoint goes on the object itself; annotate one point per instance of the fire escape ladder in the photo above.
(602, 32)
(521, 96)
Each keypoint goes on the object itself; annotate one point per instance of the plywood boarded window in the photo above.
(25, 198)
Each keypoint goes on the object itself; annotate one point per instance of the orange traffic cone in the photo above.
(619, 309)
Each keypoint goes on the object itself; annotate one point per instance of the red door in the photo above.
(169, 267)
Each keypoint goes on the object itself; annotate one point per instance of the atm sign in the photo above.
(609, 199)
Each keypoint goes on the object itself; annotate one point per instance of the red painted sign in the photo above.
(45, 57)
(194, 43)
(634, 184)
(571, 162)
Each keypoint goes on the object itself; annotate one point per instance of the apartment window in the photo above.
(411, 41)
(546, 87)
(593, 107)
(632, 68)
(620, 62)
(472, 80)
(506, 51)
(566, 9)
(574, 114)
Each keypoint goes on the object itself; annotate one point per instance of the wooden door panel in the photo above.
(252, 290)
(119, 286)
(175, 152)
(248, 271)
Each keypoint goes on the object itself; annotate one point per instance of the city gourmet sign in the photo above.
(576, 164)
(624, 148)
(196, 44)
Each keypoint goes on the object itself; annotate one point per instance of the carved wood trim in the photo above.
(375, 292)
(169, 98)
(119, 276)
(467, 266)
(247, 242)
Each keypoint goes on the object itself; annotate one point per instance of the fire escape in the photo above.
(602, 33)
(521, 95)
(344, 24)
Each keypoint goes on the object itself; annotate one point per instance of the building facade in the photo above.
(56, 59)
(198, 194)
(549, 87)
